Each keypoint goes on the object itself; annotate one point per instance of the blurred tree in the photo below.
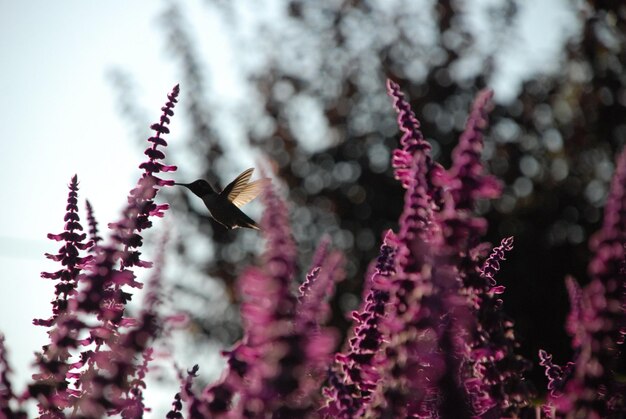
(312, 99)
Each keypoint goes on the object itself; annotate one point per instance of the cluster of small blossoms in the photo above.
(91, 366)
(51, 385)
(279, 366)
(588, 385)
(357, 374)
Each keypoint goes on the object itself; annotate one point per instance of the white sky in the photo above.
(58, 117)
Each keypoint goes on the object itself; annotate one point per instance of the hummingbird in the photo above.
(224, 206)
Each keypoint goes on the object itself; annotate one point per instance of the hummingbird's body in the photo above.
(224, 206)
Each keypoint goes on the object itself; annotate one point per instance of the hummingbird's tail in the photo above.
(244, 221)
(251, 224)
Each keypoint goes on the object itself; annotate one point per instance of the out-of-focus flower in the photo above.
(597, 319)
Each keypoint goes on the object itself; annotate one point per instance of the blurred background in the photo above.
(302, 85)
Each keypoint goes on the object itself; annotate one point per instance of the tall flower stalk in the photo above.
(91, 367)
(597, 321)
(279, 364)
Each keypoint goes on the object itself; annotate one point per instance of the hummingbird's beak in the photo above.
(186, 185)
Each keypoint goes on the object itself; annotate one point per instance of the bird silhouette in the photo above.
(224, 206)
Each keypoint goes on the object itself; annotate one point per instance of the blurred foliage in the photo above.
(315, 104)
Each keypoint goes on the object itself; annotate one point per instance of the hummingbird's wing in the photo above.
(240, 192)
(235, 187)
(251, 191)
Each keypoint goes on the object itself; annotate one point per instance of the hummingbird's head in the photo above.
(200, 187)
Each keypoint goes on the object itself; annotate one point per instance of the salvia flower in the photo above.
(51, 382)
(556, 374)
(268, 312)
(196, 408)
(411, 363)
(412, 142)
(93, 226)
(318, 258)
(91, 364)
(106, 382)
(495, 381)
(68, 255)
(466, 180)
(598, 317)
(574, 294)
(279, 365)
(349, 389)
(431, 320)
(6, 388)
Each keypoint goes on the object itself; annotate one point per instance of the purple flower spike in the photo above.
(313, 308)
(598, 319)
(348, 391)
(68, 256)
(153, 165)
(465, 176)
(496, 383)
(50, 385)
(141, 205)
(255, 371)
(105, 379)
(312, 313)
(278, 367)
(411, 364)
(411, 143)
(93, 226)
(196, 409)
(268, 312)
(492, 264)
(433, 354)
(6, 390)
(573, 318)
(318, 258)
(556, 375)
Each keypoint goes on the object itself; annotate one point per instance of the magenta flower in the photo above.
(557, 376)
(495, 381)
(90, 365)
(465, 179)
(93, 226)
(597, 320)
(68, 256)
(436, 286)
(51, 382)
(107, 381)
(349, 388)
(268, 310)
(321, 253)
(268, 313)
(278, 367)
(412, 365)
(6, 389)
(412, 142)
